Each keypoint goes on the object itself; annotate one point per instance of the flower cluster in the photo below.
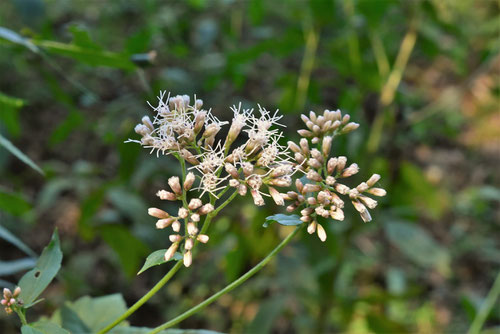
(10, 299)
(320, 196)
(249, 159)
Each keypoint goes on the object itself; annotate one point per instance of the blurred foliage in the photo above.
(420, 76)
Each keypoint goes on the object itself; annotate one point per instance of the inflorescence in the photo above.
(250, 159)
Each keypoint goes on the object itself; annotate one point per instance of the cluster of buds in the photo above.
(257, 165)
(10, 299)
(321, 195)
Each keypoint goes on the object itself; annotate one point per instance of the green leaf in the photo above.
(15, 266)
(20, 155)
(9, 237)
(145, 330)
(156, 258)
(87, 55)
(130, 250)
(287, 220)
(43, 327)
(14, 204)
(72, 322)
(15, 38)
(34, 282)
(418, 245)
(9, 101)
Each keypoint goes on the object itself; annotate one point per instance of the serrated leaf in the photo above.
(287, 220)
(9, 237)
(20, 155)
(34, 282)
(156, 258)
(43, 327)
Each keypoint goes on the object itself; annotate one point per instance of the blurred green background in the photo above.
(421, 77)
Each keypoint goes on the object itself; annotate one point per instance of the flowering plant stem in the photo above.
(228, 288)
(144, 298)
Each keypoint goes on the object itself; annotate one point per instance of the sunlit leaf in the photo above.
(34, 282)
(156, 258)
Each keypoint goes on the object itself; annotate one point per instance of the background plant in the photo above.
(426, 266)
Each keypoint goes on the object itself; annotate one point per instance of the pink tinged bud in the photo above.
(198, 104)
(176, 226)
(330, 180)
(277, 197)
(306, 211)
(362, 187)
(174, 238)
(305, 133)
(293, 147)
(305, 219)
(341, 188)
(242, 190)
(194, 204)
(183, 213)
(317, 155)
(7, 294)
(291, 208)
(350, 127)
(234, 183)
(316, 129)
(315, 140)
(189, 244)
(3, 302)
(257, 197)
(351, 170)
(346, 118)
(311, 201)
(142, 130)
(377, 192)
(311, 188)
(299, 185)
(157, 213)
(372, 180)
(285, 181)
(231, 170)
(188, 258)
(195, 217)
(188, 182)
(203, 238)
(331, 164)
(326, 146)
(205, 209)
(304, 118)
(341, 162)
(211, 130)
(353, 193)
(311, 228)
(247, 168)
(147, 122)
(314, 163)
(171, 251)
(320, 120)
(335, 125)
(299, 157)
(173, 182)
(314, 176)
(304, 145)
(365, 215)
(369, 202)
(310, 125)
(337, 214)
(199, 120)
(321, 232)
(191, 228)
(166, 195)
(163, 223)
(189, 157)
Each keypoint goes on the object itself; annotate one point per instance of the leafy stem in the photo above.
(230, 287)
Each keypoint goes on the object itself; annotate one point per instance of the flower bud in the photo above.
(377, 191)
(211, 130)
(191, 228)
(231, 170)
(199, 121)
(326, 146)
(314, 176)
(147, 122)
(362, 187)
(7, 294)
(305, 133)
(341, 161)
(277, 197)
(189, 244)
(311, 188)
(311, 228)
(320, 230)
(17, 292)
(142, 130)
(369, 202)
(351, 170)
(317, 155)
(330, 180)
(195, 217)
(346, 118)
(176, 226)
(349, 127)
(203, 238)
(314, 163)
(234, 183)
(183, 213)
(242, 190)
(299, 185)
(341, 188)
(157, 213)
(188, 258)
(174, 238)
(198, 104)
(304, 145)
(194, 203)
(372, 180)
(173, 182)
(257, 197)
(337, 214)
(293, 147)
(188, 182)
(166, 195)
(171, 251)
(207, 208)
(331, 164)
(163, 223)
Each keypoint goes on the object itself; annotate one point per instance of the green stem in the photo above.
(223, 205)
(144, 298)
(228, 288)
(486, 307)
(22, 316)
